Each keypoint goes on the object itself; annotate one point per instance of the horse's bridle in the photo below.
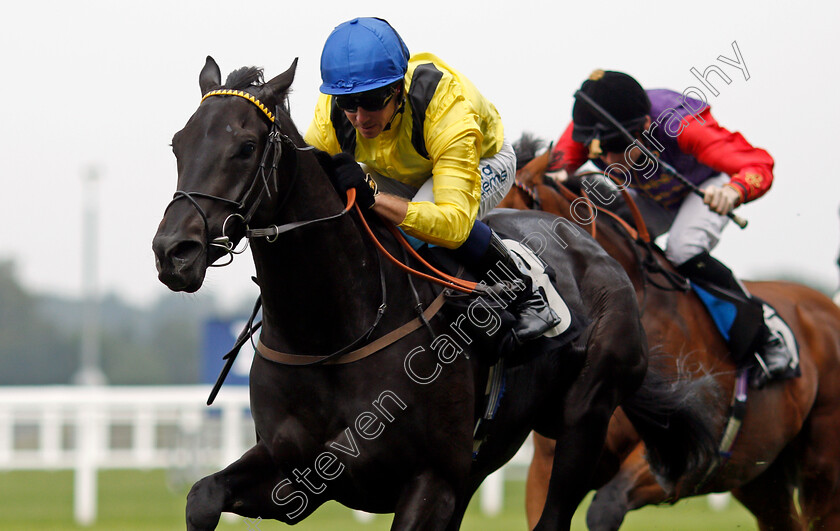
(268, 169)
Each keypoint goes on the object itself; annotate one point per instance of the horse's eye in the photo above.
(246, 150)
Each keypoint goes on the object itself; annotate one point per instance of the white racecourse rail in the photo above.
(91, 428)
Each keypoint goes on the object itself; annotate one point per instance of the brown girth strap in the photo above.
(354, 355)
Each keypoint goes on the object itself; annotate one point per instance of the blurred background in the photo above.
(92, 93)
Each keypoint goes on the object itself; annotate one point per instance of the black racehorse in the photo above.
(393, 431)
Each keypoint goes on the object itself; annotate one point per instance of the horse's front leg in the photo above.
(427, 503)
(247, 487)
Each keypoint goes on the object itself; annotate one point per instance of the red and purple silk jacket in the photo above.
(694, 144)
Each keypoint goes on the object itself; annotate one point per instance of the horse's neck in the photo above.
(319, 284)
(532, 173)
(614, 243)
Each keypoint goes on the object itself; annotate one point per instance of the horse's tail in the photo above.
(675, 418)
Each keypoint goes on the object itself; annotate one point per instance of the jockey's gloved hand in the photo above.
(721, 199)
(348, 174)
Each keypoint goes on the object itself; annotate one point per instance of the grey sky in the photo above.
(107, 84)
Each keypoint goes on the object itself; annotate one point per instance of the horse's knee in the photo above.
(204, 504)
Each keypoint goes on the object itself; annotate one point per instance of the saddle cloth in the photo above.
(780, 328)
(537, 270)
(730, 324)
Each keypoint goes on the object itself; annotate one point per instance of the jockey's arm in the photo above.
(750, 168)
(391, 207)
(446, 217)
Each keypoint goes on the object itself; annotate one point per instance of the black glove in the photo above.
(348, 174)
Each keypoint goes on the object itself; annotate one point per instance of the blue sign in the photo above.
(219, 337)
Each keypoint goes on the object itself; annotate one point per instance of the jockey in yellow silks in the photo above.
(432, 143)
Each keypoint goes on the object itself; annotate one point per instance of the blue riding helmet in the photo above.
(360, 55)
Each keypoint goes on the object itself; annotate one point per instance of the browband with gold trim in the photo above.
(241, 94)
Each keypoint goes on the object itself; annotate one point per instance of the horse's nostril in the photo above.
(184, 252)
(175, 252)
(180, 263)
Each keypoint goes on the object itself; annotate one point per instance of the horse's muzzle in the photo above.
(181, 264)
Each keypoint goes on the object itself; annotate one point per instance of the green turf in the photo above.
(134, 501)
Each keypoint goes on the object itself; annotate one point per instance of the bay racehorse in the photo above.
(787, 441)
(392, 431)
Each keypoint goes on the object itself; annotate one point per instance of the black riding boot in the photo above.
(774, 359)
(534, 315)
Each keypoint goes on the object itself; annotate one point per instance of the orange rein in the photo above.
(448, 281)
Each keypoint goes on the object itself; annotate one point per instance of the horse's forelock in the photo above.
(244, 77)
(251, 76)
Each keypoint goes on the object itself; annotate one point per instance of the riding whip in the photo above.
(741, 222)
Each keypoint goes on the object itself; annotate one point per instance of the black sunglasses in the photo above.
(373, 100)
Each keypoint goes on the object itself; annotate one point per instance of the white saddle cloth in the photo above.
(536, 269)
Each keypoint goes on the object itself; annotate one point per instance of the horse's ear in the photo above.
(210, 77)
(278, 86)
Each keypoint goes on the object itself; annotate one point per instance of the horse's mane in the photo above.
(244, 77)
(526, 148)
